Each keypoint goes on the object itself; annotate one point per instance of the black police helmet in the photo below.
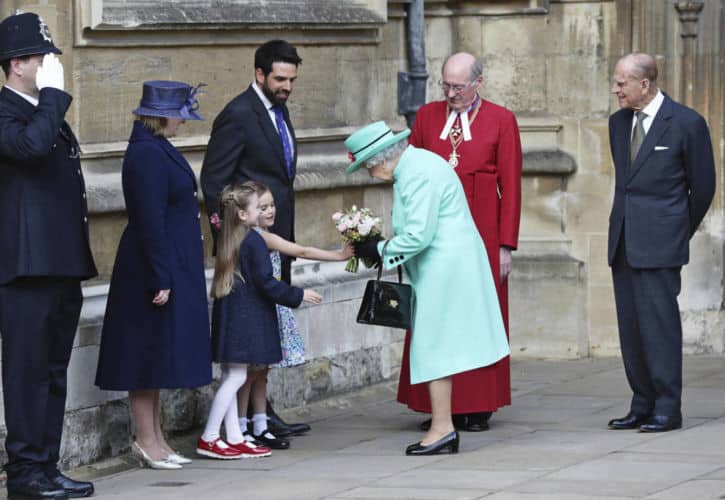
(25, 34)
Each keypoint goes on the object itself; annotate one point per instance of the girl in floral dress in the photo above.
(293, 349)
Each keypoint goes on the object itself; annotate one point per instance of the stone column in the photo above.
(689, 13)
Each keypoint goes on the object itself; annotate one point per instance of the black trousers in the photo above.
(650, 334)
(38, 321)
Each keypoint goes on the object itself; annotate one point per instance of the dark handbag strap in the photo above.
(382, 258)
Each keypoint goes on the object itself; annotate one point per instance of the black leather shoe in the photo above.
(280, 428)
(629, 421)
(37, 487)
(459, 422)
(270, 441)
(73, 488)
(661, 423)
(477, 422)
(446, 444)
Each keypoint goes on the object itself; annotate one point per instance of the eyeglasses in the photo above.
(447, 87)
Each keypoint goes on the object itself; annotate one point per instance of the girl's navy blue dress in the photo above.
(244, 326)
(146, 346)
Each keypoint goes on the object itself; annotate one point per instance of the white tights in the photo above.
(224, 406)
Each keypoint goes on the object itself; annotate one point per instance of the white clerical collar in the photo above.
(267, 103)
(32, 100)
(464, 122)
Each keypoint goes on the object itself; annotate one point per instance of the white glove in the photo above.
(50, 73)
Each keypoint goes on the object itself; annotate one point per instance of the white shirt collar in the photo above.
(464, 122)
(654, 105)
(32, 100)
(267, 103)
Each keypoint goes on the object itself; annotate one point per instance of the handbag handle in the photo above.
(380, 269)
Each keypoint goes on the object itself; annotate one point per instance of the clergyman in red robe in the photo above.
(481, 141)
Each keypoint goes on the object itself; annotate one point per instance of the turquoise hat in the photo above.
(369, 141)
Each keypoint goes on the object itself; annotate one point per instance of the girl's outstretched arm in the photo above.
(275, 242)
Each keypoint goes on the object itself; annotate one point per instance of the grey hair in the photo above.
(386, 154)
(476, 67)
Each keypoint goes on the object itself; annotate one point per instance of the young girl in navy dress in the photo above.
(293, 348)
(244, 318)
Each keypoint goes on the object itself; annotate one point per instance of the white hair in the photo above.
(386, 154)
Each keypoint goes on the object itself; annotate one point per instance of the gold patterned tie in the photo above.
(637, 136)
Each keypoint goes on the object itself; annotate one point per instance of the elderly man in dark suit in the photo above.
(665, 182)
(253, 139)
(45, 253)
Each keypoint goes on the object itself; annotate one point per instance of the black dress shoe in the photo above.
(661, 423)
(73, 488)
(280, 428)
(459, 422)
(629, 421)
(477, 422)
(271, 441)
(37, 487)
(446, 444)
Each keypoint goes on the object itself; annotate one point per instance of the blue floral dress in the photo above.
(293, 347)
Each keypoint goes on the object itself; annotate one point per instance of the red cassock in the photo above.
(489, 167)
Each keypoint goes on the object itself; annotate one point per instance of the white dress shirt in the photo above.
(32, 100)
(268, 105)
(650, 110)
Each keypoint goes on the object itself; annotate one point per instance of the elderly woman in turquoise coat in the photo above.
(457, 324)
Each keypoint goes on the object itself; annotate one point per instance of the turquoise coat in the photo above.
(457, 324)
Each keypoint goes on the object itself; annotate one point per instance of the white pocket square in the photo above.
(661, 148)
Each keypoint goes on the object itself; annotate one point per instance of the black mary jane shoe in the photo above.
(73, 488)
(459, 423)
(446, 444)
(270, 441)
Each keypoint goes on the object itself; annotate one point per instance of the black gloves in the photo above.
(367, 250)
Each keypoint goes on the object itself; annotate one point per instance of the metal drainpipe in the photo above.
(411, 84)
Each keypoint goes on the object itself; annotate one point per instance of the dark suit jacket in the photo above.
(43, 210)
(244, 326)
(244, 145)
(661, 199)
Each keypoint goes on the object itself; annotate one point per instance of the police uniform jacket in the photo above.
(43, 209)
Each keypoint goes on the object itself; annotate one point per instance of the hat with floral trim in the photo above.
(369, 141)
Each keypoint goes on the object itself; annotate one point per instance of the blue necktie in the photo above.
(284, 136)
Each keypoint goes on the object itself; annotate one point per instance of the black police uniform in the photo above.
(44, 255)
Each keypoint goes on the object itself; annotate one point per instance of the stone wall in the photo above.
(550, 61)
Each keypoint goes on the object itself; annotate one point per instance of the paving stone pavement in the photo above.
(550, 444)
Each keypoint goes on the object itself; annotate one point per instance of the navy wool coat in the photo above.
(145, 346)
(244, 323)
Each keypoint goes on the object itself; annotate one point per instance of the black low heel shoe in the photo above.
(446, 444)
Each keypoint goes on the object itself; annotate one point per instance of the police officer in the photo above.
(44, 255)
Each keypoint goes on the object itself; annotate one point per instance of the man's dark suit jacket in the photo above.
(43, 210)
(661, 199)
(244, 145)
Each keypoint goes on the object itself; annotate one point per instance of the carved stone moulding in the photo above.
(128, 23)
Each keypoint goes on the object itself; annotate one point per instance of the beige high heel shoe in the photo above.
(163, 464)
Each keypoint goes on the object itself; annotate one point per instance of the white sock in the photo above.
(224, 406)
(259, 421)
(243, 424)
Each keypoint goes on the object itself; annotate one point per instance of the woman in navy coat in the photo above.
(156, 329)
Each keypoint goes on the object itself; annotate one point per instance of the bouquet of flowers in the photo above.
(356, 225)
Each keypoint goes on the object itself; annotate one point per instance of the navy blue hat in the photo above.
(25, 34)
(169, 99)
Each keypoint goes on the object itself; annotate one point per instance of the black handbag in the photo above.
(386, 303)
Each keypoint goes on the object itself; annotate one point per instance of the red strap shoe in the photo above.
(250, 450)
(217, 449)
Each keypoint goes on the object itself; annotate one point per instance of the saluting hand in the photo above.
(50, 73)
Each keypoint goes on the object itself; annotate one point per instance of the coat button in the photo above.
(54, 146)
(194, 194)
(79, 171)
(198, 216)
(202, 237)
(85, 219)
(397, 259)
(391, 261)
